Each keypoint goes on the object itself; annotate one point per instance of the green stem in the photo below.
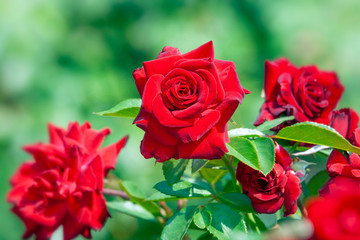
(250, 216)
(232, 172)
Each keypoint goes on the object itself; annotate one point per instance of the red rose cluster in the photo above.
(306, 93)
(187, 100)
(63, 183)
(269, 193)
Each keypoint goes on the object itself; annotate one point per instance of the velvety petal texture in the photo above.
(187, 100)
(306, 93)
(269, 193)
(63, 183)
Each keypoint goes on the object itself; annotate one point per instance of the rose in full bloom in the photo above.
(342, 165)
(63, 183)
(187, 100)
(337, 214)
(345, 121)
(306, 93)
(268, 193)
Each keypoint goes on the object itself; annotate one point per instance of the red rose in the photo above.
(306, 93)
(187, 100)
(63, 184)
(337, 215)
(268, 193)
(345, 121)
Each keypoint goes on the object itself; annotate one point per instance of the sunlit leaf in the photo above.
(128, 108)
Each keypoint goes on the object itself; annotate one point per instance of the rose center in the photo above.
(179, 92)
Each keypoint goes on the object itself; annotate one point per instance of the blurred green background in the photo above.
(61, 60)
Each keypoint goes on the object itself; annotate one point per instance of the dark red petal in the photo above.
(110, 153)
(193, 133)
(151, 148)
(338, 164)
(271, 206)
(165, 117)
(221, 65)
(210, 146)
(168, 51)
(273, 70)
(140, 79)
(345, 121)
(282, 156)
(231, 84)
(151, 125)
(152, 88)
(160, 66)
(204, 51)
(292, 194)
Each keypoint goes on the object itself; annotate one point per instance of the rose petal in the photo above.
(292, 194)
(204, 51)
(210, 146)
(151, 148)
(160, 66)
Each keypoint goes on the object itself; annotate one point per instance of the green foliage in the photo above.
(317, 181)
(315, 133)
(202, 219)
(178, 224)
(267, 125)
(222, 225)
(182, 189)
(132, 209)
(174, 169)
(257, 153)
(137, 196)
(213, 171)
(237, 201)
(128, 108)
(198, 164)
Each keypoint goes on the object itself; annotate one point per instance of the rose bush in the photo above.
(63, 183)
(306, 93)
(337, 214)
(268, 193)
(187, 100)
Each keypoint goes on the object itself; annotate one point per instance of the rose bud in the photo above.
(63, 183)
(345, 121)
(306, 93)
(187, 100)
(337, 214)
(268, 193)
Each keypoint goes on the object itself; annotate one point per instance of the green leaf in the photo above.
(213, 171)
(315, 133)
(182, 189)
(224, 220)
(178, 224)
(128, 108)
(202, 219)
(258, 153)
(174, 169)
(197, 164)
(131, 209)
(317, 181)
(237, 201)
(136, 195)
(244, 150)
(273, 123)
(244, 132)
(265, 150)
(312, 150)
